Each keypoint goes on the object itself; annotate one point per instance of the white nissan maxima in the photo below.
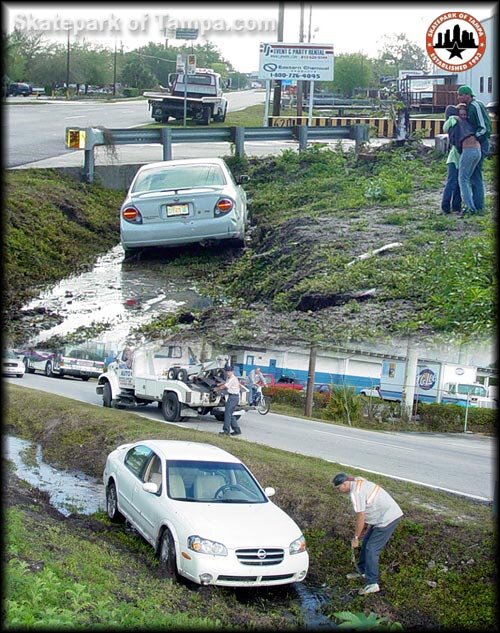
(186, 201)
(204, 513)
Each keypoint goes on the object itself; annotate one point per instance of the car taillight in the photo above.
(131, 214)
(224, 205)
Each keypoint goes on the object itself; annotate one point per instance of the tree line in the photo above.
(31, 58)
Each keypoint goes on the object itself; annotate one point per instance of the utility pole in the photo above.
(300, 84)
(310, 382)
(114, 71)
(277, 85)
(67, 69)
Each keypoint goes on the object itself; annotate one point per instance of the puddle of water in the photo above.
(122, 296)
(311, 601)
(70, 492)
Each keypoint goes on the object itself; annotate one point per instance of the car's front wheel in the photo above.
(167, 555)
(48, 370)
(112, 504)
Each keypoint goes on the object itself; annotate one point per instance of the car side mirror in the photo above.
(150, 487)
(242, 178)
(269, 491)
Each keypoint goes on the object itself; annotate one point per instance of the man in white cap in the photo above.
(377, 509)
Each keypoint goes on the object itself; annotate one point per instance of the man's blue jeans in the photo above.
(477, 183)
(469, 161)
(373, 543)
(230, 421)
(451, 200)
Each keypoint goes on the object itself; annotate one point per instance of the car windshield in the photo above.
(10, 354)
(179, 177)
(212, 482)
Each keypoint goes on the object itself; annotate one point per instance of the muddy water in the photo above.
(69, 492)
(122, 295)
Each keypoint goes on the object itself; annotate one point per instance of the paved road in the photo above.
(460, 463)
(34, 129)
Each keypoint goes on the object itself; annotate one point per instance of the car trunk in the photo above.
(174, 205)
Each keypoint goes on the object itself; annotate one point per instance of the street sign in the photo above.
(302, 62)
(191, 64)
(186, 34)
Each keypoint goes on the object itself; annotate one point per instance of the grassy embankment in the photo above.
(437, 571)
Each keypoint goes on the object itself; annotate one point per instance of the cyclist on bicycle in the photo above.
(255, 378)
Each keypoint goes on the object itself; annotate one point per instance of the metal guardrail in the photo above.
(88, 138)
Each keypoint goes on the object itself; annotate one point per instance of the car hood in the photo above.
(240, 525)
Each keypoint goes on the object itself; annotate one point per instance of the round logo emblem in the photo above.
(261, 553)
(455, 41)
(426, 379)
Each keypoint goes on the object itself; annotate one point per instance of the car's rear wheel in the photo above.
(112, 504)
(106, 395)
(171, 407)
(48, 370)
(85, 378)
(219, 415)
(167, 555)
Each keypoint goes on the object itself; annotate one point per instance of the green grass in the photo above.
(438, 570)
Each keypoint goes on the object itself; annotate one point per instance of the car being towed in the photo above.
(204, 513)
(187, 201)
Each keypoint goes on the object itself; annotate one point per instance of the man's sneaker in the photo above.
(236, 432)
(354, 574)
(223, 432)
(369, 589)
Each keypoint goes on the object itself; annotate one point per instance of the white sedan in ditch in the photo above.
(185, 201)
(204, 513)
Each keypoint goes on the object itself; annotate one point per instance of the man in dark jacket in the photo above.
(480, 119)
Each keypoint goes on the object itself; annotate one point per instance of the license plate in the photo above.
(177, 209)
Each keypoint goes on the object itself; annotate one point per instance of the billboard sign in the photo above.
(300, 62)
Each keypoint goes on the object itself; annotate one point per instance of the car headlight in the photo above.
(205, 546)
(297, 546)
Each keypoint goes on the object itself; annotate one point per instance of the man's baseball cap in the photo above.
(465, 90)
(339, 479)
(229, 368)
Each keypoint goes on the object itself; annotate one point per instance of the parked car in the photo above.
(204, 513)
(17, 89)
(12, 365)
(283, 382)
(80, 362)
(372, 392)
(178, 202)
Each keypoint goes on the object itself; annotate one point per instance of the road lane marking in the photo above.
(80, 116)
(415, 481)
(356, 439)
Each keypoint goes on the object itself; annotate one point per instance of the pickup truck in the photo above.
(204, 98)
(171, 376)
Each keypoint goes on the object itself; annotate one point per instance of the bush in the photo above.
(344, 404)
(451, 418)
(131, 92)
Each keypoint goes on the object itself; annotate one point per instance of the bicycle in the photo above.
(261, 402)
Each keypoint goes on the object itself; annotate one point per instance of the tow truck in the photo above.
(204, 98)
(171, 376)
